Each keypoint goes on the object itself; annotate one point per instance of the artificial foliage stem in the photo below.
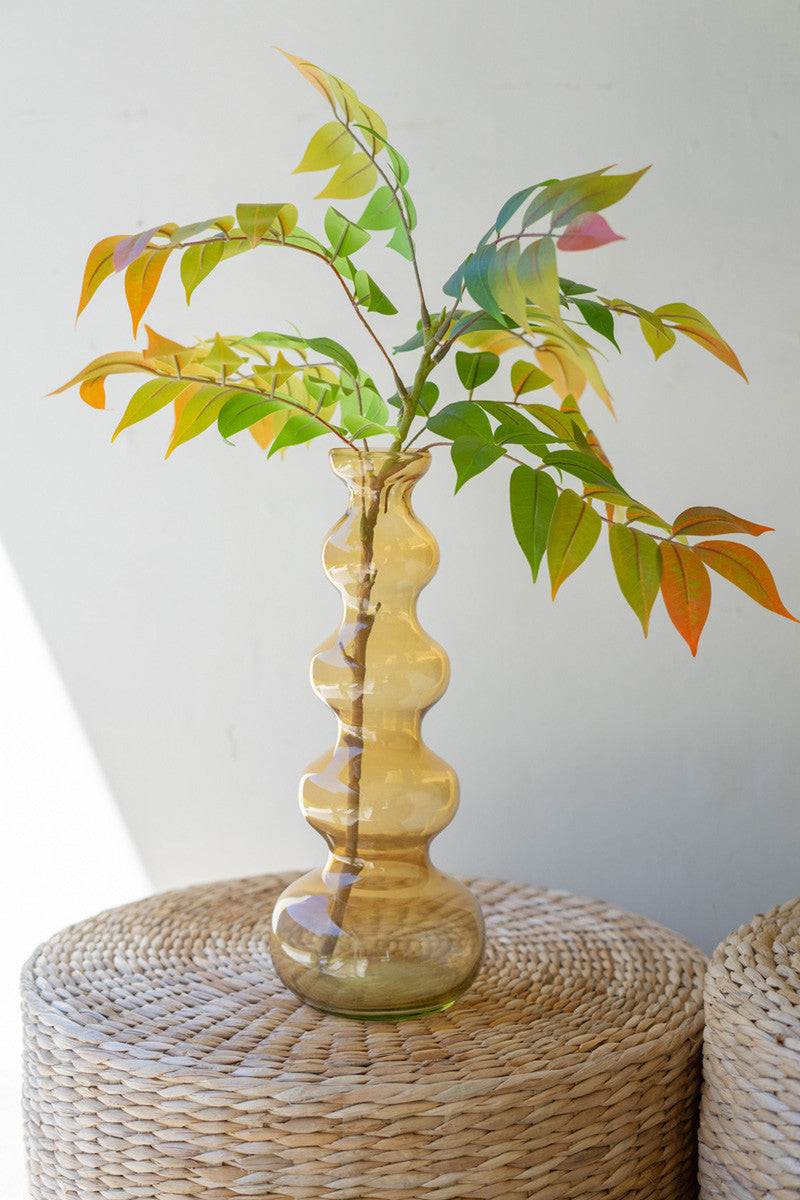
(353, 730)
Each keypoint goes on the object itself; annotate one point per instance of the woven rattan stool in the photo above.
(750, 1123)
(164, 1059)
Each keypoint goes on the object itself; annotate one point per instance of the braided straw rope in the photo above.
(750, 1122)
(165, 1059)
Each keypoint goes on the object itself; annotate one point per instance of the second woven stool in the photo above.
(750, 1117)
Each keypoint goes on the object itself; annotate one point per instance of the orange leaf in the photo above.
(746, 570)
(93, 391)
(141, 280)
(99, 265)
(686, 589)
(314, 75)
(567, 377)
(267, 429)
(697, 522)
(159, 346)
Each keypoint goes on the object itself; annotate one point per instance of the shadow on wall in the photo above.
(64, 850)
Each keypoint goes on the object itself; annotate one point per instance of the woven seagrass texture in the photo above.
(164, 1058)
(750, 1117)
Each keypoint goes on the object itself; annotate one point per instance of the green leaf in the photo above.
(477, 278)
(527, 377)
(462, 419)
(150, 398)
(455, 284)
(637, 565)
(243, 409)
(570, 288)
(410, 209)
(598, 318)
(256, 220)
(415, 342)
(401, 243)
(344, 236)
(428, 397)
(276, 341)
(399, 164)
(475, 369)
(511, 205)
(332, 350)
(532, 496)
(329, 147)
(574, 530)
(355, 177)
(197, 262)
(370, 296)
(471, 455)
(298, 430)
(553, 419)
(584, 467)
(381, 211)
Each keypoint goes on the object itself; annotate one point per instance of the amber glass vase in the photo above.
(378, 932)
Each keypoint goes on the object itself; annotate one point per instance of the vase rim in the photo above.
(352, 453)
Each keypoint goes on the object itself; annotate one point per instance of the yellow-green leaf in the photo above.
(659, 337)
(199, 411)
(355, 177)
(222, 358)
(151, 397)
(574, 530)
(637, 566)
(256, 220)
(108, 364)
(537, 274)
(99, 265)
(526, 377)
(329, 147)
(197, 262)
(694, 325)
(141, 280)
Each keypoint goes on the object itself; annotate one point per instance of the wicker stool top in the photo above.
(164, 1058)
(182, 984)
(757, 972)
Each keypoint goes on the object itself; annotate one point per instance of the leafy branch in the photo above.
(288, 389)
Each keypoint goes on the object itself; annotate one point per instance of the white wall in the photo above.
(182, 600)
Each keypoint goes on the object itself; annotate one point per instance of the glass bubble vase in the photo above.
(378, 931)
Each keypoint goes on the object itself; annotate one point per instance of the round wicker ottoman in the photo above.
(164, 1058)
(750, 1118)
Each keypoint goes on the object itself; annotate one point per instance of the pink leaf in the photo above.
(131, 248)
(586, 232)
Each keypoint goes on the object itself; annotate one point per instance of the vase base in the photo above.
(395, 952)
(395, 1015)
